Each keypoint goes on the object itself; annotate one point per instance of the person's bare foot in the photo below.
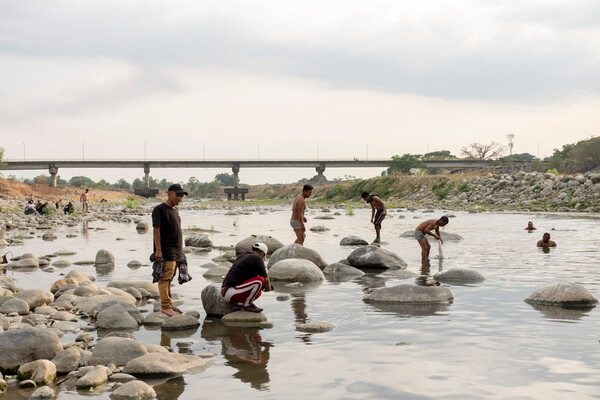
(168, 311)
(177, 310)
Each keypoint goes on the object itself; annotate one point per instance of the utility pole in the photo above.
(510, 138)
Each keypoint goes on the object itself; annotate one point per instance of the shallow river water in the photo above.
(487, 344)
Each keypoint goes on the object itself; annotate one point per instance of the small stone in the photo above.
(315, 327)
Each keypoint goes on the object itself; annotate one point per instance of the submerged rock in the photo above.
(134, 390)
(353, 241)
(163, 364)
(180, 322)
(375, 257)
(459, 275)
(562, 294)
(339, 269)
(315, 327)
(104, 257)
(414, 294)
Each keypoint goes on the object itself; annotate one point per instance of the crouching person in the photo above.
(246, 278)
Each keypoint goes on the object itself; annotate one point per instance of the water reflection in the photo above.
(567, 313)
(171, 389)
(426, 279)
(244, 350)
(85, 229)
(410, 310)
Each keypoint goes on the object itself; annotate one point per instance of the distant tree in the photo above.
(80, 181)
(314, 179)
(102, 184)
(480, 151)
(2, 163)
(579, 157)
(61, 181)
(405, 163)
(519, 157)
(164, 184)
(41, 179)
(138, 183)
(122, 184)
(439, 155)
(225, 179)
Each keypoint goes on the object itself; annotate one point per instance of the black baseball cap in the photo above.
(177, 188)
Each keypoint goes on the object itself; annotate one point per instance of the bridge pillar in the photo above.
(53, 174)
(236, 178)
(320, 169)
(147, 176)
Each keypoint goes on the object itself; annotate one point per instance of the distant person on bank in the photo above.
(69, 209)
(246, 278)
(298, 219)
(168, 244)
(30, 208)
(530, 227)
(429, 227)
(378, 213)
(85, 201)
(546, 242)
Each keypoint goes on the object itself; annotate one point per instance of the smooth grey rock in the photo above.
(375, 257)
(35, 297)
(142, 226)
(155, 348)
(353, 241)
(134, 390)
(244, 316)
(163, 364)
(8, 283)
(67, 326)
(413, 294)
(295, 270)
(156, 318)
(93, 304)
(65, 252)
(561, 294)
(315, 327)
(4, 323)
(42, 372)
(215, 273)
(150, 287)
(115, 317)
(198, 240)
(104, 257)
(180, 322)
(95, 376)
(134, 264)
(61, 263)
(135, 293)
(24, 263)
(117, 350)
(49, 236)
(339, 269)
(459, 275)
(246, 244)
(14, 306)
(121, 377)
(63, 316)
(67, 360)
(214, 304)
(25, 344)
(319, 228)
(44, 392)
(296, 251)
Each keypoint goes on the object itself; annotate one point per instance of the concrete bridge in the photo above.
(53, 166)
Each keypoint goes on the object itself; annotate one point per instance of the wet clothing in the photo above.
(378, 218)
(171, 237)
(419, 235)
(248, 265)
(295, 224)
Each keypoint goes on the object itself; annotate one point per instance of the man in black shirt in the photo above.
(246, 278)
(168, 244)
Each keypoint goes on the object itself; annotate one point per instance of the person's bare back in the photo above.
(298, 209)
(298, 219)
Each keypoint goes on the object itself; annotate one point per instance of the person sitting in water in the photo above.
(69, 208)
(246, 278)
(39, 207)
(530, 227)
(29, 208)
(546, 242)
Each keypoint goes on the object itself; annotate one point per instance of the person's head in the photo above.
(261, 249)
(175, 194)
(546, 237)
(530, 224)
(366, 196)
(307, 190)
(443, 221)
(87, 190)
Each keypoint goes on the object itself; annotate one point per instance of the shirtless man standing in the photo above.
(546, 242)
(84, 201)
(376, 218)
(425, 228)
(298, 219)
(530, 227)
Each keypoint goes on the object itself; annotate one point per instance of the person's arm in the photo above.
(268, 287)
(437, 231)
(372, 212)
(158, 252)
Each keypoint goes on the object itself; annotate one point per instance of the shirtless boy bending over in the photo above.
(298, 219)
(425, 228)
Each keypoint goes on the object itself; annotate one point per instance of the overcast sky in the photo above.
(282, 79)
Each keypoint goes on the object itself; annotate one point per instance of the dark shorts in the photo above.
(419, 235)
(378, 218)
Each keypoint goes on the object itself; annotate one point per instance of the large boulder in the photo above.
(67, 360)
(104, 257)
(245, 245)
(25, 344)
(42, 372)
(562, 294)
(134, 390)
(295, 270)
(94, 376)
(214, 304)
(117, 350)
(198, 240)
(459, 275)
(164, 364)
(375, 257)
(35, 297)
(353, 241)
(14, 305)
(117, 317)
(296, 251)
(412, 294)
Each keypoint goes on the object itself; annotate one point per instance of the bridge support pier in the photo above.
(236, 177)
(320, 169)
(53, 175)
(147, 176)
